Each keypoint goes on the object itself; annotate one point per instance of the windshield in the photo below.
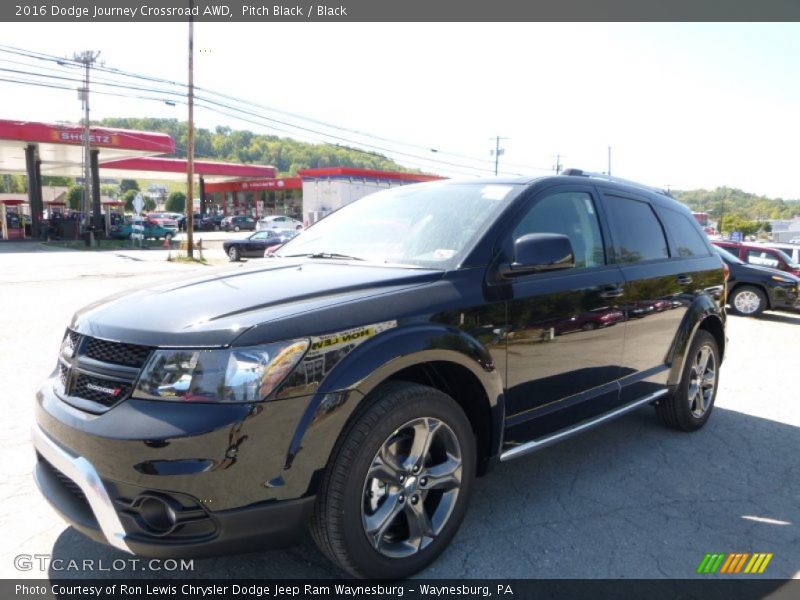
(786, 258)
(426, 225)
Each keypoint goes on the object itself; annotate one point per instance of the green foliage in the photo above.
(75, 197)
(128, 184)
(50, 180)
(13, 184)
(285, 154)
(111, 191)
(749, 207)
(738, 223)
(149, 204)
(128, 197)
(176, 202)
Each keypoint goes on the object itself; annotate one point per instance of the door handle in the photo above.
(611, 291)
(684, 279)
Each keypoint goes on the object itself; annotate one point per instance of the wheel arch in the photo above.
(467, 375)
(702, 314)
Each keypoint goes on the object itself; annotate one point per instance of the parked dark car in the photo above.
(753, 289)
(210, 223)
(590, 320)
(760, 255)
(339, 384)
(254, 245)
(238, 223)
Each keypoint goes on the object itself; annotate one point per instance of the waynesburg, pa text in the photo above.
(267, 590)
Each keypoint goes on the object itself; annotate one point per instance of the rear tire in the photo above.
(690, 406)
(398, 483)
(747, 301)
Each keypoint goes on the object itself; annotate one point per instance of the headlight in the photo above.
(246, 374)
(782, 279)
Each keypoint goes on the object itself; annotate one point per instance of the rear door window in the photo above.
(638, 235)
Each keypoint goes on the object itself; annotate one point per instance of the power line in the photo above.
(115, 71)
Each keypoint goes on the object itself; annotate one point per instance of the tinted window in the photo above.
(571, 214)
(762, 258)
(637, 233)
(687, 240)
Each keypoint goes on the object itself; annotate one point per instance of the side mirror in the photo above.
(539, 252)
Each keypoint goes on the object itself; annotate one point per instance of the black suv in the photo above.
(362, 378)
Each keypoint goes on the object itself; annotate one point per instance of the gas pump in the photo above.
(13, 225)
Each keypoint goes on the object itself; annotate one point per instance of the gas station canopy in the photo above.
(60, 147)
(175, 169)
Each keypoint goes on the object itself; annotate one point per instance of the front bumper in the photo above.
(166, 479)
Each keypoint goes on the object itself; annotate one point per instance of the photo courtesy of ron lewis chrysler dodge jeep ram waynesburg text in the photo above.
(359, 380)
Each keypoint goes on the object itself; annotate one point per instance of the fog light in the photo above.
(156, 514)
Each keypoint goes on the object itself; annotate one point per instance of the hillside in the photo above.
(285, 154)
(731, 201)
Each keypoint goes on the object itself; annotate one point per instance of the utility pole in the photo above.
(190, 143)
(558, 164)
(87, 59)
(609, 160)
(497, 152)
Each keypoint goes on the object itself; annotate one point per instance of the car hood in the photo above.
(766, 271)
(216, 309)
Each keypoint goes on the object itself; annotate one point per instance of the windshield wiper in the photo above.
(324, 255)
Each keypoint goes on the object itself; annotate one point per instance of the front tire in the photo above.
(398, 484)
(233, 253)
(748, 301)
(690, 406)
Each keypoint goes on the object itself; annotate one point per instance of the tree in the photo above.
(149, 204)
(128, 184)
(51, 180)
(176, 202)
(75, 197)
(128, 197)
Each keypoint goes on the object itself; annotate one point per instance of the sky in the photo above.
(682, 106)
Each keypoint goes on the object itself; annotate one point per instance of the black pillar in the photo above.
(97, 218)
(202, 196)
(36, 217)
(31, 160)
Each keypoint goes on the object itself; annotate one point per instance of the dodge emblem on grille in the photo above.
(105, 390)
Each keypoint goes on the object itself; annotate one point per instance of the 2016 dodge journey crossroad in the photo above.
(359, 380)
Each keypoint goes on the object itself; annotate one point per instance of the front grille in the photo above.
(103, 391)
(129, 355)
(75, 339)
(63, 375)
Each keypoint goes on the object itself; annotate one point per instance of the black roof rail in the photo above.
(595, 175)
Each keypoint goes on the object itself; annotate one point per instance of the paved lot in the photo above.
(630, 499)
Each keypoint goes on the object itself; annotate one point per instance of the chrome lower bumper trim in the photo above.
(534, 445)
(86, 477)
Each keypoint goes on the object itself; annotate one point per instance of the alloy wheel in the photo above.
(411, 487)
(747, 302)
(702, 379)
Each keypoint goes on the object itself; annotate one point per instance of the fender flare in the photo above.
(702, 309)
(345, 388)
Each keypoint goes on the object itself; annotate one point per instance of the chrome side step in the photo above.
(535, 445)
